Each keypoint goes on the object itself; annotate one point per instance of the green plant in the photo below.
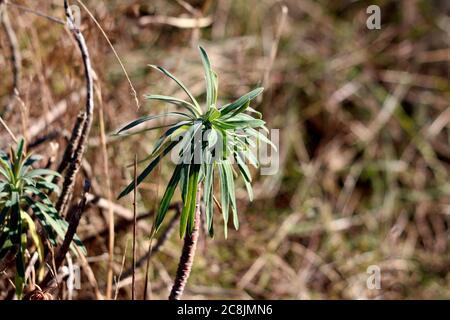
(208, 141)
(221, 135)
(24, 189)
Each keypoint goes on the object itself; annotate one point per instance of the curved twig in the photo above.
(79, 141)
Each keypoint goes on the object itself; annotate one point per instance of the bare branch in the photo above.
(75, 163)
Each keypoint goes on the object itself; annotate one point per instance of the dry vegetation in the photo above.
(364, 142)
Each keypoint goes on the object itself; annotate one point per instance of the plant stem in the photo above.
(187, 255)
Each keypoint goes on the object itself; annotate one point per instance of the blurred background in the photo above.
(363, 182)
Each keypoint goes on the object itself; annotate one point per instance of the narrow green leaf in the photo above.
(210, 78)
(261, 137)
(60, 227)
(208, 193)
(193, 185)
(42, 220)
(34, 235)
(240, 124)
(175, 101)
(231, 192)
(31, 159)
(224, 198)
(182, 86)
(19, 153)
(189, 143)
(188, 212)
(147, 170)
(243, 168)
(41, 172)
(241, 101)
(143, 119)
(6, 169)
(184, 181)
(168, 194)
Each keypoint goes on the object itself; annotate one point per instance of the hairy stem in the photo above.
(187, 255)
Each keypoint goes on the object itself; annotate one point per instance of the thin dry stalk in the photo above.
(11, 134)
(133, 283)
(87, 270)
(116, 293)
(147, 269)
(24, 115)
(111, 223)
(35, 12)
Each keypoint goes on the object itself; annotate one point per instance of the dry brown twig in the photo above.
(79, 137)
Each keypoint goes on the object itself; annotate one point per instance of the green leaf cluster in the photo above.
(24, 198)
(226, 133)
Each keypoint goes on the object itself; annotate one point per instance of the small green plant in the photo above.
(24, 189)
(222, 135)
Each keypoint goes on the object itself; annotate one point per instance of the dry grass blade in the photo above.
(183, 23)
(111, 223)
